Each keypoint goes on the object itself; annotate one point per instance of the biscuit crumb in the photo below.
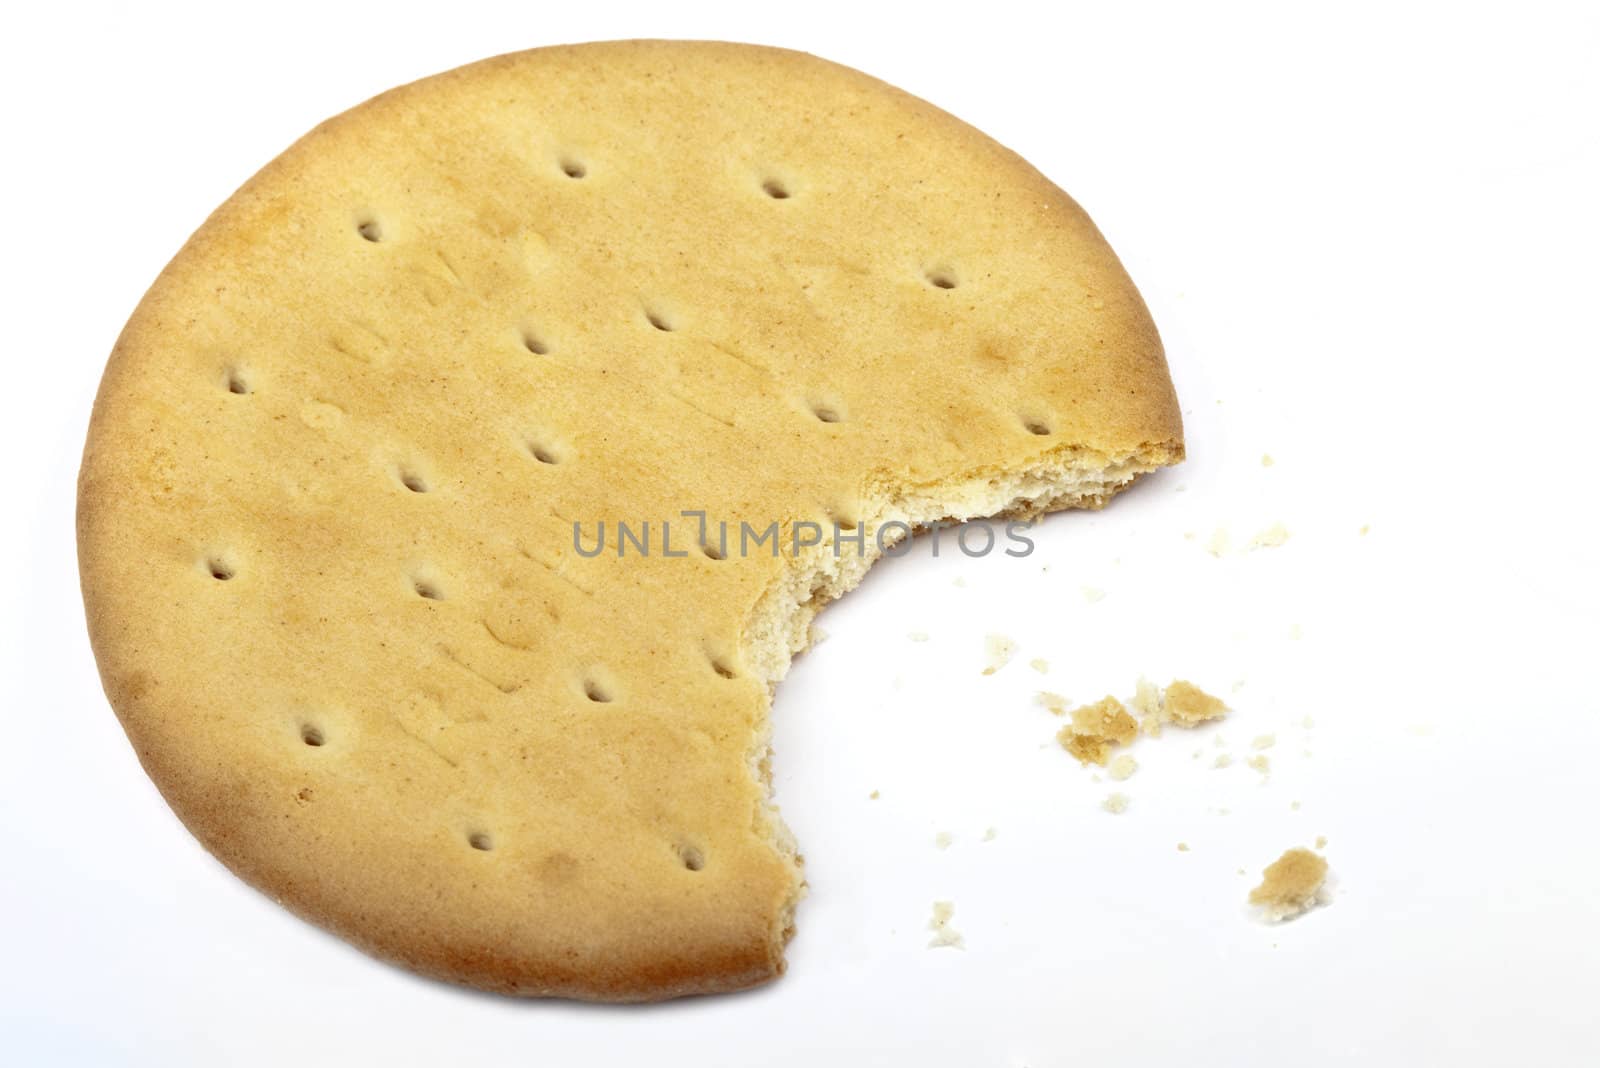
(1267, 460)
(1308, 723)
(1218, 545)
(1116, 804)
(1322, 841)
(918, 636)
(1264, 741)
(991, 834)
(1271, 537)
(1183, 847)
(1291, 885)
(1123, 766)
(1039, 664)
(999, 649)
(1054, 702)
(943, 839)
(873, 796)
(1186, 705)
(1261, 763)
(1146, 697)
(1092, 595)
(1183, 704)
(1294, 806)
(1223, 760)
(943, 934)
(1096, 728)
(1147, 700)
(1364, 528)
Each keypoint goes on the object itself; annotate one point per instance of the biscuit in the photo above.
(350, 456)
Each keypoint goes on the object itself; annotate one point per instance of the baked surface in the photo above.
(327, 501)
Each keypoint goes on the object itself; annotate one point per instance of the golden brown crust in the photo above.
(326, 500)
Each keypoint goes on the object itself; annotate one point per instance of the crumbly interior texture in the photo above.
(328, 502)
(1291, 885)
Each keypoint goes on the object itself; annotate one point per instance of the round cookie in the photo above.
(351, 456)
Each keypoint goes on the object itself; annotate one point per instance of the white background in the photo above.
(1369, 236)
